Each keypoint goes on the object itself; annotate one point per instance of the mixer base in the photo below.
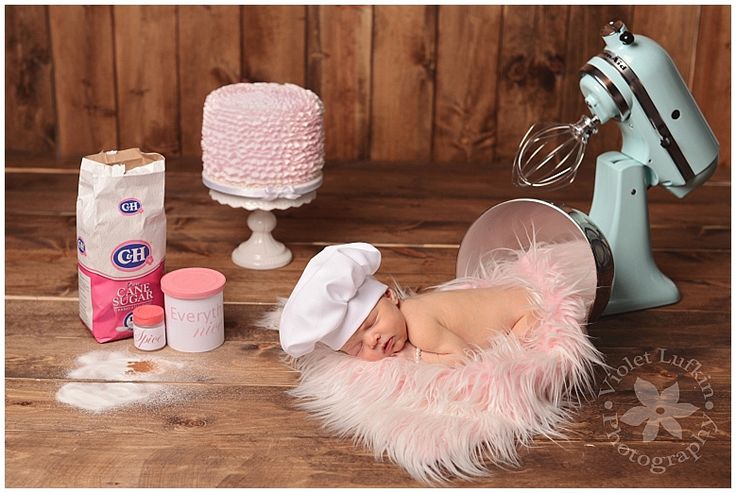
(621, 212)
(661, 291)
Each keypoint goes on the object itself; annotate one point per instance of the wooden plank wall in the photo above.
(442, 83)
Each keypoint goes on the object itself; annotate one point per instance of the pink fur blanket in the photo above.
(439, 422)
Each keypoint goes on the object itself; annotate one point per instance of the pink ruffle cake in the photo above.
(263, 140)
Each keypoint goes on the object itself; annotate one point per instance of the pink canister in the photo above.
(194, 309)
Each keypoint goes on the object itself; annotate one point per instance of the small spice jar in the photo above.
(194, 309)
(149, 330)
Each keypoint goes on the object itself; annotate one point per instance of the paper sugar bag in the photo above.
(121, 239)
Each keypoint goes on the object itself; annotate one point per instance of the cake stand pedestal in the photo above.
(261, 251)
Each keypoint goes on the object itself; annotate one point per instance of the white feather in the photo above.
(272, 319)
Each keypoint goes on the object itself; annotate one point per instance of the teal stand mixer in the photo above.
(666, 141)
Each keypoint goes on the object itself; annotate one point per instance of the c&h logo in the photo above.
(131, 255)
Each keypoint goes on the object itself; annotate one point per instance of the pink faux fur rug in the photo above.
(439, 422)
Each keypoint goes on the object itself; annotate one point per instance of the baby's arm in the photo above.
(409, 352)
(448, 359)
(438, 343)
(430, 335)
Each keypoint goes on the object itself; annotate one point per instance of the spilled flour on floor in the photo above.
(123, 379)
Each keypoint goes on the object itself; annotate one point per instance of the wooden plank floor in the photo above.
(236, 426)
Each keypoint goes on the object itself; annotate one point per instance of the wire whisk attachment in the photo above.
(550, 154)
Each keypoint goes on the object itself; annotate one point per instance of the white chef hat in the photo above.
(334, 295)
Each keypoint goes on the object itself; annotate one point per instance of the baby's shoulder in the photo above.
(418, 306)
(424, 325)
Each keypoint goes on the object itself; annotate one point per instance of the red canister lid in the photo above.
(192, 283)
(148, 315)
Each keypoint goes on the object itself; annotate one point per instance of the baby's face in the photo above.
(382, 334)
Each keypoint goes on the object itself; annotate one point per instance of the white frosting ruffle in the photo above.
(262, 135)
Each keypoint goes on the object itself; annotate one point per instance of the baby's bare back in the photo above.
(473, 314)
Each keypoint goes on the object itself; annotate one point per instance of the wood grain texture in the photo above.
(531, 73)
(404, 60)
(19, 162)
(229, 421)
(468, 42)
(712, 79)
(271, 404)
(47, 265)
(700, 223)
(339, 71)
(209, 57)
(239, 329)
(245, 362)
(673, 228)
(247, 368)
(313, 460)
(448, 83)
(675, 28)
(146, 62)
(274, 43)
(586, 22)
(252, 357)
(30, 115)
(464, 193)
(41, 253)
(86, 105)
(666, 327)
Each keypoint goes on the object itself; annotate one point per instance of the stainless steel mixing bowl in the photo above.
(514, 224)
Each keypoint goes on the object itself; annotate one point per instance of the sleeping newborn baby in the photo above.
(338, 302)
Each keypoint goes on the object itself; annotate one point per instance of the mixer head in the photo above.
(634, 82)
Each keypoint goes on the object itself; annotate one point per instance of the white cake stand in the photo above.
(261, 251)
